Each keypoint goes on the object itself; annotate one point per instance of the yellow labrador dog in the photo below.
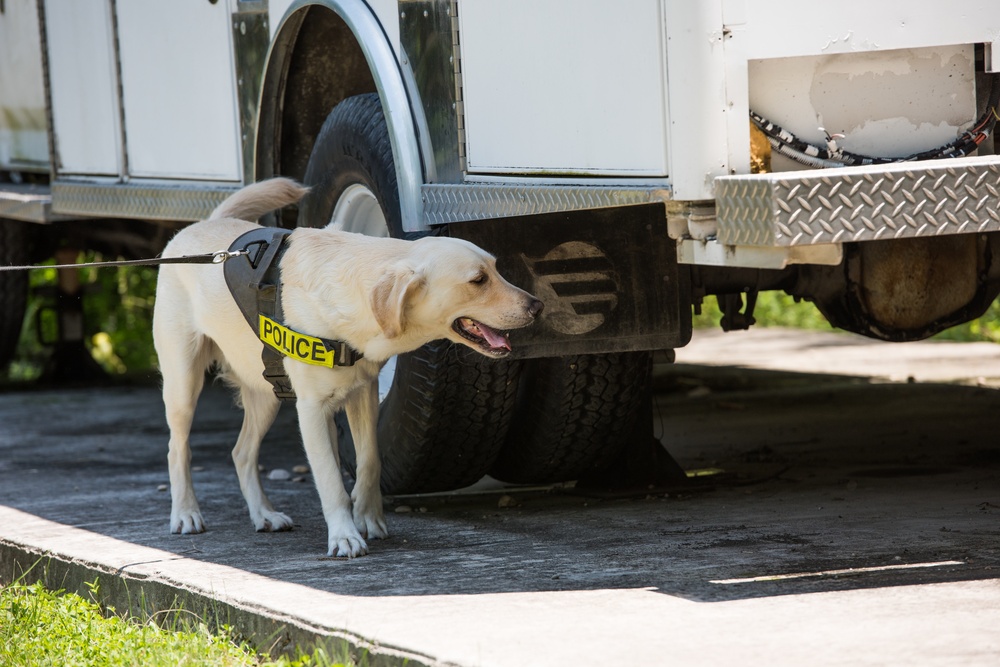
(381, 296)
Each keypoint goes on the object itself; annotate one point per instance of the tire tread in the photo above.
(575, 415)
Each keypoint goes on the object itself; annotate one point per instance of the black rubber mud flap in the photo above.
(609, 279)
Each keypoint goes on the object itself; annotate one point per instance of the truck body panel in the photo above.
(525, 116)
(83, 86)
(498, 110)
(23, 128)
(179, 91)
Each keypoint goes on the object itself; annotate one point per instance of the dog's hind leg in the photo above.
(259, 410)
(183, 363)
(343, 536)
(362, 414)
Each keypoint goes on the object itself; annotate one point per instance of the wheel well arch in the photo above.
(323, 52)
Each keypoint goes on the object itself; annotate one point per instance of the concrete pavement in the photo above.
(851, 522)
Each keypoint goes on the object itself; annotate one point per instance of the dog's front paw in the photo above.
(347, 547)
(345, 541)
(187, 522)
(270, 521)
(370, 521)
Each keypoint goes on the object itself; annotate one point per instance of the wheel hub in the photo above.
(357, 210)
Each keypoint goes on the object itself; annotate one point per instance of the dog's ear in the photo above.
(390, 299)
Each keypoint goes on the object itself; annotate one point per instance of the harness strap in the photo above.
(256, 288)
(269, 304)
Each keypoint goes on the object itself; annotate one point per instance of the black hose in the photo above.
(811, 155)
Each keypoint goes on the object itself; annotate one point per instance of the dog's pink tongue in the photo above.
(493, 338)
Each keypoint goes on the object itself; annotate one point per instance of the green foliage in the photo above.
(777, 309)
(986, 328)
(773, 309)
(118, 319)
(41, 628)
(118, 311)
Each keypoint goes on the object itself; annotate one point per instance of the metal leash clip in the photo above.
(223, 255)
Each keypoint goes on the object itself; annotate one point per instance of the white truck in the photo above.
(623, 160)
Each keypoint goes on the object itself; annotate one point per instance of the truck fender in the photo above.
(347, 19)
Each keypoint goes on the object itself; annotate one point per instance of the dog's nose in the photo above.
(535, 307)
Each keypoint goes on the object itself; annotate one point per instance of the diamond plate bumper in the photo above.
(902, 200)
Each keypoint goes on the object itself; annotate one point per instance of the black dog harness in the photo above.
(256, 287)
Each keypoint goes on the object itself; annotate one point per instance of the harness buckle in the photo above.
(223, 255)
(344, 354)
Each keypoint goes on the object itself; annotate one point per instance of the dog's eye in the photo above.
(480, 279)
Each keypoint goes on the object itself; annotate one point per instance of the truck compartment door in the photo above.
(84, 87)
(179, 90)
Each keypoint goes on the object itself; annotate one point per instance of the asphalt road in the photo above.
(845, 510)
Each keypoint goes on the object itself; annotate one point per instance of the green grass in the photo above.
(42, 628)
(773, 309)
(777, 309)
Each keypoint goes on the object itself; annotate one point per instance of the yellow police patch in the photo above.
(307, 349)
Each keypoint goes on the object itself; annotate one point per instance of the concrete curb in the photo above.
(132, 580)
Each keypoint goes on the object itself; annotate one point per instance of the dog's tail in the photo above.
(257, 199)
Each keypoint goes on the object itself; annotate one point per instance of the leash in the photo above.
(208, 258)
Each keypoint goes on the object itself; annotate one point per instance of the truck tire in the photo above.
(13, 287)
(445, 409)
(574, 416)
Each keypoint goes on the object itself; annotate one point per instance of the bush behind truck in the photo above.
(622, 160)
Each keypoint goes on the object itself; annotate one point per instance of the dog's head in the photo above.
(452, 289)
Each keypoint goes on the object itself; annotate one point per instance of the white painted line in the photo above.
(836, 573)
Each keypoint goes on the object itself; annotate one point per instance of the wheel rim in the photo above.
(358, 211)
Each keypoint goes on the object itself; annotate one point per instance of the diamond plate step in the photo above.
(447, 203)
(151, 201)
(31, 203)
(903, 200)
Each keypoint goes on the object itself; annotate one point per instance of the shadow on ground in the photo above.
(836, 481)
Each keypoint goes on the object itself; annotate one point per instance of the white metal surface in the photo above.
(697, 87)
(786, 28)
(181, 114)
(887, 103)
(565, 88)
(765, 29)
(387, 13)
(23, 141)
(713, 253)
(84, 87)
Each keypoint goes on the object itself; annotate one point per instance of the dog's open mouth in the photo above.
(491, 342)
